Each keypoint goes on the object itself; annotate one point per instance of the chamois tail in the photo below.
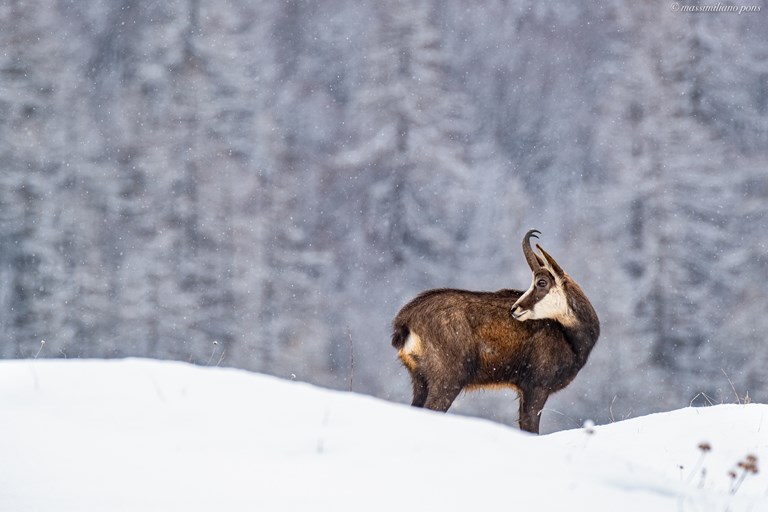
(399, 335)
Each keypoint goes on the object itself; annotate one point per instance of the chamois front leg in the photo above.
(531, 404)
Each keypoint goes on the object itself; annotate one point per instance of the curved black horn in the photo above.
(530, 257)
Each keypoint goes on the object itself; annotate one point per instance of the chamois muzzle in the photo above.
(517, 313)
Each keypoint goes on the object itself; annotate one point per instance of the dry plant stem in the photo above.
(747, 466)
(548, 409)
(737, 483)
(351, 358)
(42, 344)
(708, 398)
(696, 468)
(738, 400)
(210, 358)
(703, 479)
(32, 366)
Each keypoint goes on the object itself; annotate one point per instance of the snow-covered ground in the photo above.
(140, 435)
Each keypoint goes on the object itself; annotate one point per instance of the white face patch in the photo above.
(555, 306)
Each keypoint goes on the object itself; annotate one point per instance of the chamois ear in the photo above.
(551, 263)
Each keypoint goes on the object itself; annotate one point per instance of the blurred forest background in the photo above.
(264, 184)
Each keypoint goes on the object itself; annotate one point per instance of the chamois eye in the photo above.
(541, 283)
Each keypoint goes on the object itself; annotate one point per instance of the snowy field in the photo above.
(140, 435)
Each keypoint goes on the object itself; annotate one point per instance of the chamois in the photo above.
(535, 341)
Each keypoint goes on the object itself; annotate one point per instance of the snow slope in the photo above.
(140, 435)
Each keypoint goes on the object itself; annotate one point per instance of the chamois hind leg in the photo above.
(441, 395)
(420, 389)
(531, 404)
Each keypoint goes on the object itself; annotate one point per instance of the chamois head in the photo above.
(548, 297)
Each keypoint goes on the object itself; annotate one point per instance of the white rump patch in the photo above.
(411, 348)
(412, 344)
